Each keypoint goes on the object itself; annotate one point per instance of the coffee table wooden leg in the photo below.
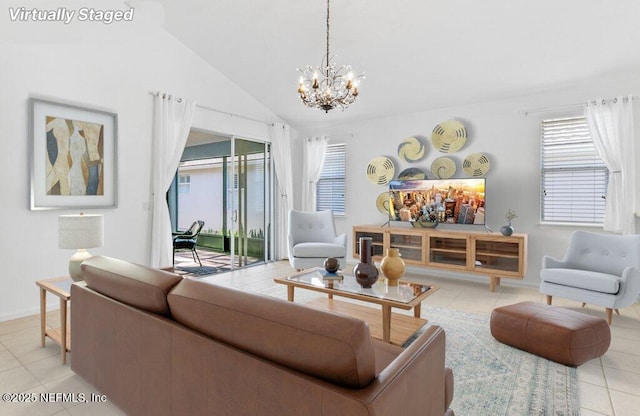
(417, 309)
(63, 330)
(43, 315)
(386, 323)
(290, 293)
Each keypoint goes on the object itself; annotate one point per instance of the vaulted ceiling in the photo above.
(417, 54)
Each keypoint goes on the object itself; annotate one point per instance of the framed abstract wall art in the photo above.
(73, 156)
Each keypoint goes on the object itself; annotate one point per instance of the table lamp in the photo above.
(80, 232)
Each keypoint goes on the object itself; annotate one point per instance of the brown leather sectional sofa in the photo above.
(156, 344)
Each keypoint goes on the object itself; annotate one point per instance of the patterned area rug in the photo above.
(491, 378)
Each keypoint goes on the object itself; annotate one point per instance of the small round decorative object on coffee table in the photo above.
(392, 266)
(331, 264)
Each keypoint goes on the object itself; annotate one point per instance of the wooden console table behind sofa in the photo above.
(490, 254)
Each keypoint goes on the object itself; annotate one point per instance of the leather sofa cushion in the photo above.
(583, 279)
(314, 250)
(331, 347)
(138, 286)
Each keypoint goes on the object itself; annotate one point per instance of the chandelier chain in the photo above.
(327, 38)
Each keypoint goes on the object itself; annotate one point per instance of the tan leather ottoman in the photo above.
(561, 335)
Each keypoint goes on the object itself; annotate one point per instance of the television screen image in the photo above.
(448, 201)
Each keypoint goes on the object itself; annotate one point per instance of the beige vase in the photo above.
(392, 266)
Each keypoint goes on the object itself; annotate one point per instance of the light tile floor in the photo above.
(609, 385)
(212, 262)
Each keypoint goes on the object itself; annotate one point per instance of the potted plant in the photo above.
(508, 229)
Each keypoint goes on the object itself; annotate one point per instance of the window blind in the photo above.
(256, 169)
(573, 177)
(331, 187)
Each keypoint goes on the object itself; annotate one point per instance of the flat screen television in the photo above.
(448, 201)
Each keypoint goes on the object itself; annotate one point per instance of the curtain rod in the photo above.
(204, 107)
(565, 107)
(331, 136)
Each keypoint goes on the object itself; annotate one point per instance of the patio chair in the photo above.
(187, 240)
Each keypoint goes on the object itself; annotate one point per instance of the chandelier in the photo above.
(338, 87)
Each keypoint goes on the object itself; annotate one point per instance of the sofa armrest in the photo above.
(448, 388)
(549, 262)
(416, 379)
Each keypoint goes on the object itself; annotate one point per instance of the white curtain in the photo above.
(171, 124)
(281, 151)
(314, 150)
(611, 126)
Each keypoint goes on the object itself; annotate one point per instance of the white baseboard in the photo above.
(26, 312)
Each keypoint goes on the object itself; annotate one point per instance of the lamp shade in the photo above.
(80, 231)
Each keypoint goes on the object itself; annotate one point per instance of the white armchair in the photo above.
(599, 269)
(312, 238)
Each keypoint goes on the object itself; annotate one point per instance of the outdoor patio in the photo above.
(212, 262)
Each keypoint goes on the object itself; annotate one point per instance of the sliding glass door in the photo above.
(248, 201)
(227, 183)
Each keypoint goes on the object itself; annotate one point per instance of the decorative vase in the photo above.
(506, 230)
(331, 264)
(365, 272)
(392, 266)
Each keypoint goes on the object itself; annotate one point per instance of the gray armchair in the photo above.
(600, 269)
(312, 238)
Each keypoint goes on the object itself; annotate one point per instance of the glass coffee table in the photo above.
(407, 295)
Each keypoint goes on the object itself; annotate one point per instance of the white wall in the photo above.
(498, 129)
(203, 201)
(112, 67)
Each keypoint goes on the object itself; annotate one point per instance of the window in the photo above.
(184, 183)
(330, 189)
(573, 177)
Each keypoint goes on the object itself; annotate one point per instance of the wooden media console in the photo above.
(490, 254)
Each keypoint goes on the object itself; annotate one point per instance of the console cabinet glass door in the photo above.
(501, 256)
(448, 250)
(409, 245)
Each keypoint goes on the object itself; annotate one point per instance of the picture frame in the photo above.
(73, 160)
